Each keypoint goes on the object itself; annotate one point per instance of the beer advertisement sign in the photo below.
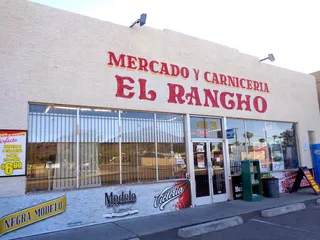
(32, 215)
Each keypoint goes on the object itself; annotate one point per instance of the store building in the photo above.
(317, 76)
(101, 121)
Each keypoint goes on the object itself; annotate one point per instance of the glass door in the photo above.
(218, 172)
(209, 172)
(201, 173)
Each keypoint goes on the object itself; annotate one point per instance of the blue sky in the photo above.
(288, 29)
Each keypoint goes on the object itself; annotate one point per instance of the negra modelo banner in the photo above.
(31, 215)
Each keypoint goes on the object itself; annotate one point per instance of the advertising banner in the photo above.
(315, 152)
(13, 152)
(57, 211)
(304, 173)
(179, 194)
(286, 181)
(277, 156)
(31, 215)
(311, 180)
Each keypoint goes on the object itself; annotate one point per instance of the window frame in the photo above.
(119, 142)
(295, 125)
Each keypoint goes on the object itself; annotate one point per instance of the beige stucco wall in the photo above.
(53, 56)
(317, 76)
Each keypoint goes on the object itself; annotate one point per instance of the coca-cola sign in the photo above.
(179, 190)
(123, 198)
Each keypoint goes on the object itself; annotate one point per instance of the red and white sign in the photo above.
(180, 193)
(130, 87)
(286, 180)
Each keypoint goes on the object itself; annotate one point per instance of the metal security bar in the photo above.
(51, 149)
(78, 147)
(171, 146)
(138, 147)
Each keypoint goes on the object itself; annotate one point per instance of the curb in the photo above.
(203, 228)
(242, 216)
(283, 210)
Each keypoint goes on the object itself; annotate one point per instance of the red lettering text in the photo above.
(114, 61)
(241, 102)
(263, 104)
(121, 86)
(231, 104)
(143, 95)
(213, 99)
(174, 96)
(193, 95)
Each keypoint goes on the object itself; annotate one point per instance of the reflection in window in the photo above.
(256, 140)
(282, 145)
(236, 144)
(51, 158)
(98, 147)
(273, 143)
(171, 146)
(206, 127)
(148, 139)
(152, 147)
(138, 147)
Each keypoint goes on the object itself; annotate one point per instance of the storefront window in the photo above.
(51, 158)
(98, 147)
(172, 162)
(255, 135)
(236, 144)
(282, 145)
(205, 127)
(152, 147)
(138, 147)
(273, 143)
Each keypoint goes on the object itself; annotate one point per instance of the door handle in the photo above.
(211, 171)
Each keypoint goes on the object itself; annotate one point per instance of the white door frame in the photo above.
(211, 198)
(189, 143)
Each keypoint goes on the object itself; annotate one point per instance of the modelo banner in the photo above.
(48, 212)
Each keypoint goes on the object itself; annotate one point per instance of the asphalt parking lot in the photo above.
(304, 224)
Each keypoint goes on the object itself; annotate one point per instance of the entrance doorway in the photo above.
(209, 172)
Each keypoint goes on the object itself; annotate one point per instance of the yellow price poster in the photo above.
(13, 152)
(32, 215)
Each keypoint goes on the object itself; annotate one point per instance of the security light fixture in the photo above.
(68, 108)
(270, 57)
(47, 109)
(142, 20)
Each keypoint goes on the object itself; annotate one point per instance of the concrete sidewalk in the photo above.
(132, 228)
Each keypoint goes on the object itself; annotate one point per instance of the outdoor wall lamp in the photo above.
(270, 57)
(142, 20)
